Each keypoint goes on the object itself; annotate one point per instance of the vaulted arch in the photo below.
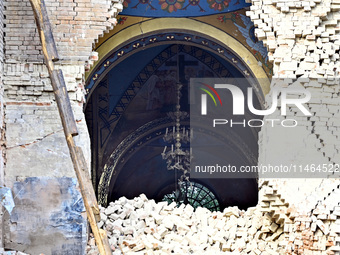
(127, 60)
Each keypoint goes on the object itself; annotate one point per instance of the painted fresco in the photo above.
(235, 24)
(239, 26)
(158, 94)
(180, 8)
(138, 101)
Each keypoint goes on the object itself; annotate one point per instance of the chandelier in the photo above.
(176, 157)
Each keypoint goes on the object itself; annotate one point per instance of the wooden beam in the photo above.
(63, 102)
(70, 129)
(44, 29)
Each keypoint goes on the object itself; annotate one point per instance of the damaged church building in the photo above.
(170, 127)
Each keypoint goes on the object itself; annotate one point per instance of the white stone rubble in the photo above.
(142, 226)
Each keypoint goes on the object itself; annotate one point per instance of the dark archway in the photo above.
(127, 135)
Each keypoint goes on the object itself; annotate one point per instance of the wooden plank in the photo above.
(105, 239)
(63, 102)
(78, 165)
(88, 188)
(69, 124)
(44, 28)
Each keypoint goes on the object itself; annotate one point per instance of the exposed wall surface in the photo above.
(303, 41)
(35, 140)
(48, 217)
(1, 112)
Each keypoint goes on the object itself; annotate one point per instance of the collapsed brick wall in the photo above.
(297, 230)
(35, 141)
(303, 42)
(273, 227)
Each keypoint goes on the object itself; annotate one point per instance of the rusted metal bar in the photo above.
(70, 129)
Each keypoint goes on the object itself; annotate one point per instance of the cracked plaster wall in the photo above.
(59, 227)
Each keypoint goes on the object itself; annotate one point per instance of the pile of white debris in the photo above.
(3, 252)
(142, 226)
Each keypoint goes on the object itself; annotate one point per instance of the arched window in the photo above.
(195, 194)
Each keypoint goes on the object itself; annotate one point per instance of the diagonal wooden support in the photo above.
(69, 124)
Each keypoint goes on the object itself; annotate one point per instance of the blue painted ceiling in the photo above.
(180, 8)
(121, 77)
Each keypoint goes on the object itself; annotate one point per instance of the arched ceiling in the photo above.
(148, 39)
(119, 110)
(229, 33)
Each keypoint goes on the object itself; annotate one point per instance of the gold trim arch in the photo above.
(185, 25)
